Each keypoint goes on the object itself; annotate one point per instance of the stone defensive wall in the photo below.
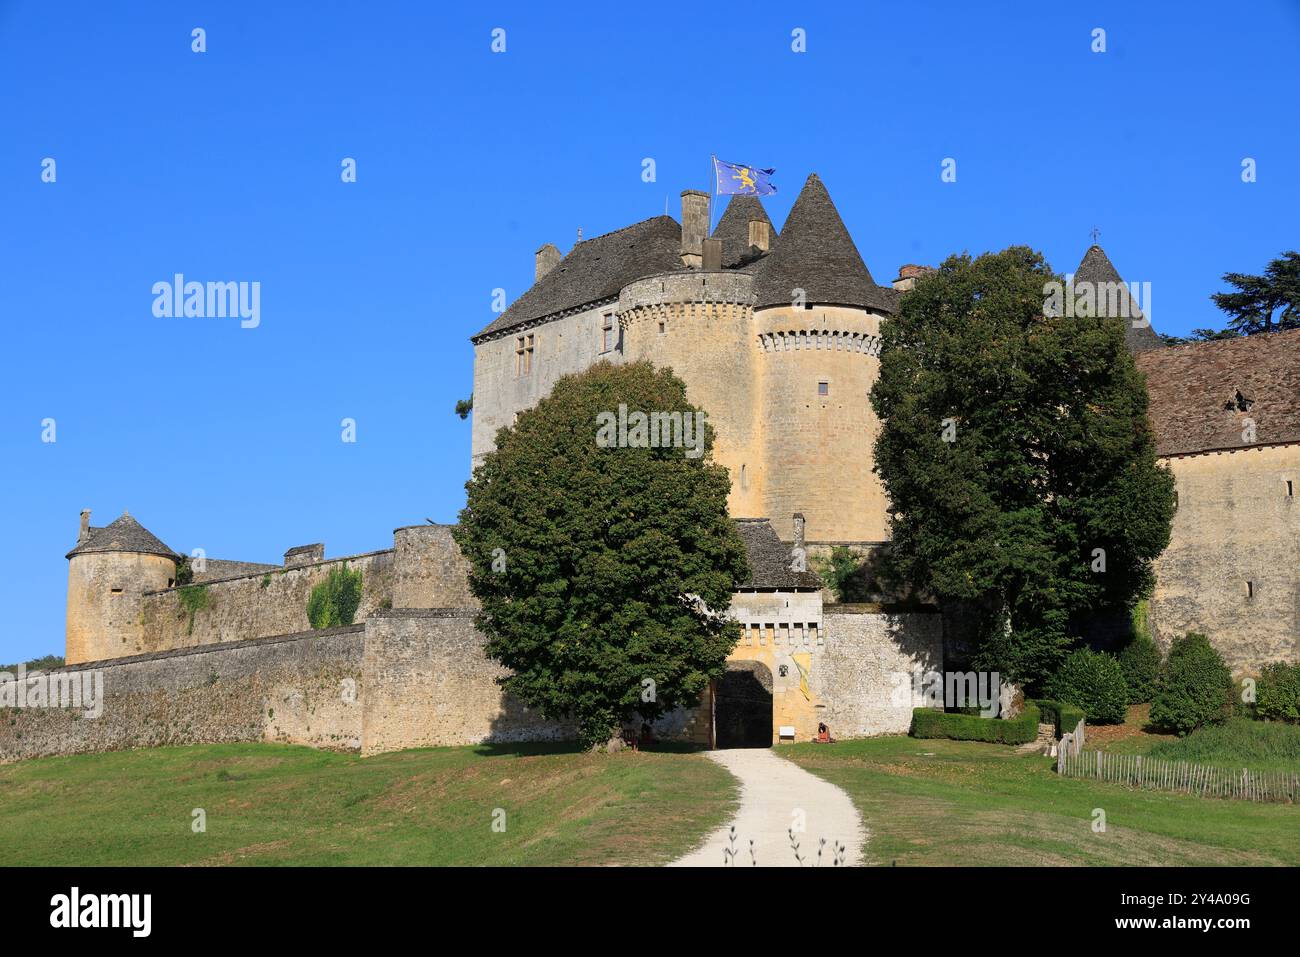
(424, 569)
(419, 678)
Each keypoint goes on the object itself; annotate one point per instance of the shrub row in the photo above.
(930, 723)
(1064, 715)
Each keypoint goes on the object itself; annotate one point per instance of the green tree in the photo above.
(603, 572)
(1200, 335)
(1093, 681)
(1018, 459)
(1264, 303)
(465, 406)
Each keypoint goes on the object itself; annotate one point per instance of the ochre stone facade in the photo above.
(1232, 568)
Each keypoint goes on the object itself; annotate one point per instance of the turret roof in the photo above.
(123, 535)
(1096, 269)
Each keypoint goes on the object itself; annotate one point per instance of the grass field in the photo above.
(278, 804)
(935, 802)
(1237, 743)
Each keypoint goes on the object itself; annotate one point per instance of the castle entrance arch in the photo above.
(742, 706)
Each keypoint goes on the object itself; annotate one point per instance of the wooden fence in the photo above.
(1139, 771)
(1070, 745)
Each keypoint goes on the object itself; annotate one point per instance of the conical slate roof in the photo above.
(733, 230)
(1097, 270)
(123, 535)
(816, 254)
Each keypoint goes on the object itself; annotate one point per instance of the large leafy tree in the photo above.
(603, 572)
(1018, 459)
(1264, 303)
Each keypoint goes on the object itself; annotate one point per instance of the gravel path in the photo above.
(775, 795)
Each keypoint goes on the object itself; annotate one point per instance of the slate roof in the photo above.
(1202, 392)
(770, 558)
(816, 253)
(733, 230)
(1096, 268)
(123, 535)
(596, 269)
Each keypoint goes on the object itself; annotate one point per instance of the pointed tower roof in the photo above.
(733, 230)
(1097, 269)
(816, 254)
(123, 535)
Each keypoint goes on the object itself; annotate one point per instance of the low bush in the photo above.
(930, 723)
(1140, 662)
(1277, 692)
(1064, 715)
(1094, 682)
(1194, 687)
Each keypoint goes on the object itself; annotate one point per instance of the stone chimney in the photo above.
(798, 529)
(695, 227)
(548, 257)
(760, 235)
(907, 276)
(712, 250)
(85, 525)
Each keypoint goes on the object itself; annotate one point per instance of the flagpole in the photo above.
(713, 169)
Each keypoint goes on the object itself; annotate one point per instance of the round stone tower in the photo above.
(817, 315)
(109, 571)
(699, 323)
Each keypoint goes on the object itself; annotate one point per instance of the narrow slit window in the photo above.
(607, 334)
(1290, 488)
(1250, 589)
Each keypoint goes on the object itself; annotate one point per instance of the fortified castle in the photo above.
(777, 337)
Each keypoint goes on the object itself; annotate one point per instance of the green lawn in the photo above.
(278, 804)
(1237, 743)
(936, 802)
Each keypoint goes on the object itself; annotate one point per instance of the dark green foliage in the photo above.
(583, 556)
(1094, 682)
(465, 406)
(1277, 692)
(931, 723)
(1194, 687)
(334, 601)
(1052, 457)
(1264, 303)
(1140, 662)
(184, 571)
(1062, 714)
(43, 663)
(844, 573)
(1199, 335)
(194, 598)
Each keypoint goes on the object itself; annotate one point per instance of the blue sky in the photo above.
(225, 165)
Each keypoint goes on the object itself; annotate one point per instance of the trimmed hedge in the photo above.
(1094, 682)
(1064, 715)
(930, 723)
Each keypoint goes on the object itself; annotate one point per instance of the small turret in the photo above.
(109, 570)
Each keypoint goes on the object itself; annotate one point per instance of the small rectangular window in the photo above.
(1250, 589)
(117, 591)
(663, 327)
(823, 388)
(607, 334)
(1290, 488)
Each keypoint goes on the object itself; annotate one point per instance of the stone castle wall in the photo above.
(419, 678)
(291, 689)
(1232, 568)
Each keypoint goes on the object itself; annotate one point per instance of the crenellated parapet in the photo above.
(830, 340)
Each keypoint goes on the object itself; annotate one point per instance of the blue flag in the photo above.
(734, 179)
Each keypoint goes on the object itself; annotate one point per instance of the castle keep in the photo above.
(777, 337)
